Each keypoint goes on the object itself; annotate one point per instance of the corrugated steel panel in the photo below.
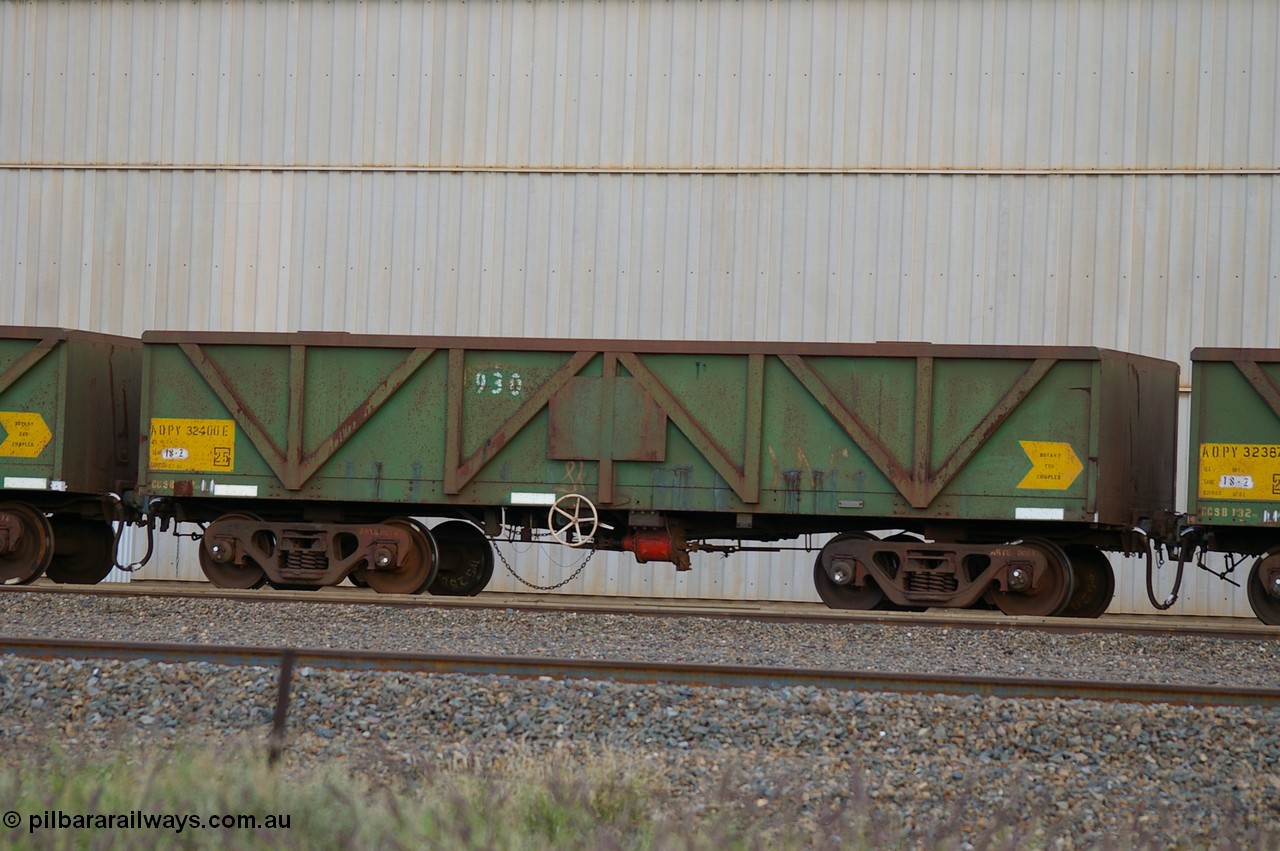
(1027, 84)
(1147, 263)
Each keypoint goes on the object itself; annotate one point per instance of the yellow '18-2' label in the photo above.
(1239, 471)
(194, 445)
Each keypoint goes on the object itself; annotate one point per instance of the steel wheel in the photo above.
(26, 561)
(466, 560)
(1051, 591)
(1093, 582)
(1264, 575)
(836, 596)
(229, 575)
(416, 569)
(83, 549)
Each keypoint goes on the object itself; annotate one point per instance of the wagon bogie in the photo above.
(240, 550)
(1025, 578)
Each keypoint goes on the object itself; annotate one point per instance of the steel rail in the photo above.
(684, 171)
(792, 613)
(718, 676)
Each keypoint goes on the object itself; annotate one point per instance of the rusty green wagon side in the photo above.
(68, 450)
(1003, 470)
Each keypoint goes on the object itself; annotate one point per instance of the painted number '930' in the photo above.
(494, 382)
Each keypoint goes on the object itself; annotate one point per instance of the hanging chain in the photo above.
(581, 567)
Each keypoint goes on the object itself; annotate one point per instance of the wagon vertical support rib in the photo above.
(744, 478)
(293, 465)
(922, 484)
(22, 365)
(297, 401)
(609, 386)
(755, 426)
(453, 421)
(924, 420)
(458, 471)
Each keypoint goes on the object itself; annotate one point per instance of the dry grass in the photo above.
(531, 802)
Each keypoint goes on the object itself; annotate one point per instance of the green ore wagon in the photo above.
(1003, 472)
(68, 450)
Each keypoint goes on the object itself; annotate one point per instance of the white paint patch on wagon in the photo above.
(1026, 513)
(523, 498)
(235, 490)
(25, 483)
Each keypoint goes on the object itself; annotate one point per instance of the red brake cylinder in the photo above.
(650, 545)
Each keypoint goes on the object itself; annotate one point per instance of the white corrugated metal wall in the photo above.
(977, 84)
(1063, 172)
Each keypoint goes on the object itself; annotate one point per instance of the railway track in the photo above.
(707, 675)
(802, 613)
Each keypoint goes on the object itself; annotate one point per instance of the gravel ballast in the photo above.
(1184, 776)
(506, 632)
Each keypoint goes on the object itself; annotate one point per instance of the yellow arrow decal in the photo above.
(26, 434)
(1054, 466)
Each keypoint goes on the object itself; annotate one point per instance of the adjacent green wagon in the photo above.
(1233, 499)
(68, 450)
